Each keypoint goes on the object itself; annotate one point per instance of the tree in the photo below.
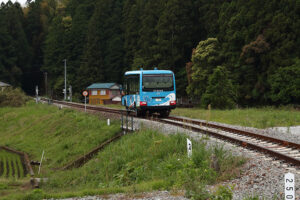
(252, 73)
(219, 92)
(285, 84)
(103, 54)
(54, 54)
(147, 54)
(205, 59)
(131, 15)
(176, 38)
(15, 51)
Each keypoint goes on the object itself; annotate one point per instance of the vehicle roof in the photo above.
(156, 71)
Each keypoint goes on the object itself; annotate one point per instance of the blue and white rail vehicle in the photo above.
(149, 91)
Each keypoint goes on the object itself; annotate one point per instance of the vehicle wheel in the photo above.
(164, 113)
(140, 113)
(125, 103)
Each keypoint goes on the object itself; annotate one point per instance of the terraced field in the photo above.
(10, 165)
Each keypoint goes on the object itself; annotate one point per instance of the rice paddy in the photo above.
(11, 165)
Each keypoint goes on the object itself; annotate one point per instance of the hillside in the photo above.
(251, 48)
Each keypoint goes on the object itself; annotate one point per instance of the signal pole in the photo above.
(65, 93)
(46, 83)
(70, 93)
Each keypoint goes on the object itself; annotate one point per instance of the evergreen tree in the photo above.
(131, 15)
(15, 51)
(104, 50)
(252, 78)
(54, 54)
(35, 32)
(285, 84)
(176, 38)
(205, 59)
(76, 38)
(147, 56)
(219, 92)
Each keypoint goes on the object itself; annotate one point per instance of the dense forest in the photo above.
(223, 52)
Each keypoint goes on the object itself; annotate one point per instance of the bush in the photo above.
(36, 194)
(13, 97)
(220, 91)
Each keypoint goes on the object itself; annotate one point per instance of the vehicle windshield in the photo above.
(158, 82)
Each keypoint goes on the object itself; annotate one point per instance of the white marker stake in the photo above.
(41, 162)
(289, 186)
(108, 122)
(189, 147)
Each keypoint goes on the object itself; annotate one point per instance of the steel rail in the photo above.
(177, 122)
(238, 131)
(239, 142)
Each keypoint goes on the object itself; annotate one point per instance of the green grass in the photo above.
(142, 161)
(251, 117)
(62, 134)
(265, 117)
(11, 163)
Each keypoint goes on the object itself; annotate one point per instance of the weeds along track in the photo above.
(279, 149)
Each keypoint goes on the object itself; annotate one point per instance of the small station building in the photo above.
(104, 93)
(4, 85)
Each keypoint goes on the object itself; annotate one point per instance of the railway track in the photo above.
(279, 149)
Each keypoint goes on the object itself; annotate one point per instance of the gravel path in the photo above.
(157, 195)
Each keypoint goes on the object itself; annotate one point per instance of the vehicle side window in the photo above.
(131, 85)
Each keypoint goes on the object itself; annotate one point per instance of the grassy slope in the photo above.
(142, 161)
(252, 117)
(62, 134)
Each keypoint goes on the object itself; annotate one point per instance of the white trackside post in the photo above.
(41, 162)
(289, 186)
(189, 147)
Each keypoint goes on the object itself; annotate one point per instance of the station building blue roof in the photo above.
(102, 85)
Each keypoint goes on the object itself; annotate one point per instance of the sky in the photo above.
(22, 2)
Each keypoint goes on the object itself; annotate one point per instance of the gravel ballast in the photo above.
(261, 177)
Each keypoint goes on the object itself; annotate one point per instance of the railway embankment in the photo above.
(261, 177)
(143, 161)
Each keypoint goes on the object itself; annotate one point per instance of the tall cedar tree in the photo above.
(103, 39)
(16, 53)
(131, 15)
(219, 92)
(147, 55)
(175, 38)
(104, 50)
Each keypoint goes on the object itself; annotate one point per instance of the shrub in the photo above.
(36, 194)
(219, 92)
(13, 97)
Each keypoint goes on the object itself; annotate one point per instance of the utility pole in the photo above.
(70, 93)
(46, 83)
(65, 92)
(36, 94)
